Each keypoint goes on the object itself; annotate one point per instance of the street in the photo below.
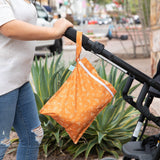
(97, 29)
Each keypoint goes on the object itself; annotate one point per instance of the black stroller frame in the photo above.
(136, 148)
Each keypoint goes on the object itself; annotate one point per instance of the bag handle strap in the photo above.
(78, 45)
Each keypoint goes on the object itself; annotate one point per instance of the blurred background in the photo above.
(130, 29)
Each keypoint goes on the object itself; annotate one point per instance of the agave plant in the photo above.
(113, 126)
(47, 79)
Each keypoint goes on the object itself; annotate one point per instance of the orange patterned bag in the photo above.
(79, 100)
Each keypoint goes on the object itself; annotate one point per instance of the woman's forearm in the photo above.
(24, 31)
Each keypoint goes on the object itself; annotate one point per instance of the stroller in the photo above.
(138, 149)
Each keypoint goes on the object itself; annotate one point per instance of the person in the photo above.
(17, 103)
(109, 34)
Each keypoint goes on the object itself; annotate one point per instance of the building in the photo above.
(155, 35)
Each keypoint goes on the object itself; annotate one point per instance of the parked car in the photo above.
(79, 20)
(46, 20)
(122, 20)
(130, 20)
(76, 20)
(92, 20)
(136, 19)
(42, 12)
(107, 20)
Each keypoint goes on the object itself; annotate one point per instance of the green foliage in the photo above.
(101, 1)
(146, 12)
(47, 79)
(111, 128)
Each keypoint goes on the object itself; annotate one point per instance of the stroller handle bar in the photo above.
(98, 49)
(133, 73)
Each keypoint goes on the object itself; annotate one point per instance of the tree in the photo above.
(100, 1)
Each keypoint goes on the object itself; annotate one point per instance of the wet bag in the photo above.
(79, 100)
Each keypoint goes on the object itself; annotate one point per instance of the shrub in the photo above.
(47, 79)
(111, 128)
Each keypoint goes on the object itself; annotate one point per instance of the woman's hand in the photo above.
(60, 26)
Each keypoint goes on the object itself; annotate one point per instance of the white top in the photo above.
(16, 56)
